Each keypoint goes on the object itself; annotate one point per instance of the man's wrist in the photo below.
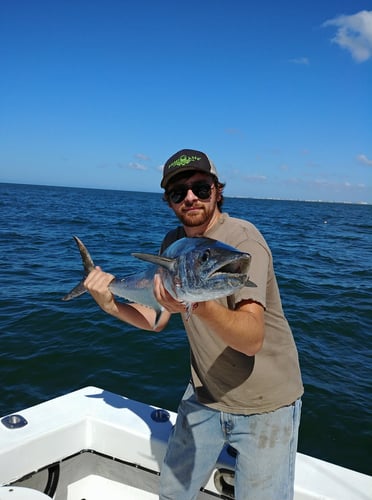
(111, 307)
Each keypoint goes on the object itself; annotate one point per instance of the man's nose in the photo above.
(190, 196)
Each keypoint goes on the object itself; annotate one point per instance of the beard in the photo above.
(199, 217)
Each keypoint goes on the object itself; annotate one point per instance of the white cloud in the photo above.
(141, 156)
(137, 166)
(354, 33)
(300, 60)
(234, 132)
(363, 159)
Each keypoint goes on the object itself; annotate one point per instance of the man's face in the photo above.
(194, 200)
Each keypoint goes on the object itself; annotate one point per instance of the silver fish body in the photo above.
(192, 270)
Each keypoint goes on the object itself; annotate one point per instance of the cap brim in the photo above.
(189, 168)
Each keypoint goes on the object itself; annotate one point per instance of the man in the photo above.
(245, 384)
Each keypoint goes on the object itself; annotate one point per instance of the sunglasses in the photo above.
(201, 189)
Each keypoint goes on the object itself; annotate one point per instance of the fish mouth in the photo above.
(233, 267)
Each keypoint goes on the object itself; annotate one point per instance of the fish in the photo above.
(192, 269)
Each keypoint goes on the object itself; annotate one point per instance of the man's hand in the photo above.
(165, 299)
(97, 283)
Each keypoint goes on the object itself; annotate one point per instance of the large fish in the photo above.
(192, 270)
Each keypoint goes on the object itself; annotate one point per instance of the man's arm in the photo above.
(97, 283)
(242, 328)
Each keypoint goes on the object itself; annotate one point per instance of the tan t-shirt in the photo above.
(226, 379)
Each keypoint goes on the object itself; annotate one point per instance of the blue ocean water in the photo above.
(322, 254)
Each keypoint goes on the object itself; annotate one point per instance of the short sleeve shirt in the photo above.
(226, 379)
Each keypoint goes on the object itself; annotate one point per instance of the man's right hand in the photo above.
(97, 283)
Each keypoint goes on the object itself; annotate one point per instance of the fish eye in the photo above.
(205, 255)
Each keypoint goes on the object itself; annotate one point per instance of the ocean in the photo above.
(323, 259)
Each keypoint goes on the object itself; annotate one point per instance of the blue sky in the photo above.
(100, 93)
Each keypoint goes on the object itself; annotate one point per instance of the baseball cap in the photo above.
(184, 160)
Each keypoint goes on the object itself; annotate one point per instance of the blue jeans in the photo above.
(266, 446)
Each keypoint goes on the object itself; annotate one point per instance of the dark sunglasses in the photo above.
(201, 189)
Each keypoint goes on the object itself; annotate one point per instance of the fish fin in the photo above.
(166, 262)
(190, 307)
(85, 256)
(75, 292)
(250, 284)
(88, 266)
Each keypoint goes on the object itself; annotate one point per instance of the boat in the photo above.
(92, 444)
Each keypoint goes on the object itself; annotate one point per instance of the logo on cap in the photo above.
(183, 160)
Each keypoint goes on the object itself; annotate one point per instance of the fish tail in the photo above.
(88, 266)
(75, 292)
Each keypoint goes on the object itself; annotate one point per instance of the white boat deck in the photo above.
(94, 435)
(95, 487)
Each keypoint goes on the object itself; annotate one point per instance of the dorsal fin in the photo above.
(166, 262)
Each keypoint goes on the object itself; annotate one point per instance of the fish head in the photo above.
(205, 269)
